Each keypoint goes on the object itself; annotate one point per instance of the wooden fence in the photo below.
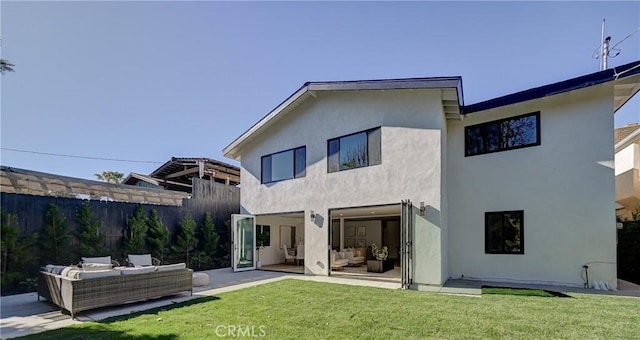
(30, 211)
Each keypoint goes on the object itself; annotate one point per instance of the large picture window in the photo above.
(356, 150)
(284, 165)
(501, 135)
(504, 232)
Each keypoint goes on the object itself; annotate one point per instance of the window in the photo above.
(263, 235)
(354, 151)
(284, 165)
(501, 135)
(504, 232)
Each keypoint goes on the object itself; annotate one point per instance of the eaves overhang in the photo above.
(625, 78)
(452, 99)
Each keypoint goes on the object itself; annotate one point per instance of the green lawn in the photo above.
(310, 310)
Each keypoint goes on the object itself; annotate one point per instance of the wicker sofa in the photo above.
(115, 287)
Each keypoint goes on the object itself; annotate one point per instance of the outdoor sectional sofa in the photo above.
(75, 290)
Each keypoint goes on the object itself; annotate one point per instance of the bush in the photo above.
(55, 239)
(88, 232)
(134, 237)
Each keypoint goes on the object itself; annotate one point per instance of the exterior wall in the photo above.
(627, 173)
(411, 122)
(565, 187)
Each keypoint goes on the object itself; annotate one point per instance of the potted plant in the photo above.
(261, 240)
(381, 264)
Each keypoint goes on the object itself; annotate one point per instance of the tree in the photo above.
(134, 238)
(6, 66)
(55, 240)
(210, 237)
(186, 240)
(88, 232)
(158, 236)
(18, 259)
(110, 176)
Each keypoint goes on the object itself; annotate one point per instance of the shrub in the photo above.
(186, 240)
(55, 239)
(134, 237)
(158, 236)
(88, 232)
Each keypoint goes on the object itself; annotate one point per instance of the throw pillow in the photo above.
(103, 259)
(140, 260)
(91, 267)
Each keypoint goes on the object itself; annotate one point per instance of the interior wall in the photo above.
(373, 233)
(273, 254)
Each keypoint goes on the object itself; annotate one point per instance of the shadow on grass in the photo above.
(160, 309)
(95, 332)
(522, 292)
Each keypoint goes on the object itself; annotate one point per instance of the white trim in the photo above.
(627, 140)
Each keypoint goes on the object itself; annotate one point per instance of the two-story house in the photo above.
(503, 190)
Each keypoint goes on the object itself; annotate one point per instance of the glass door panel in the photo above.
(244, 242)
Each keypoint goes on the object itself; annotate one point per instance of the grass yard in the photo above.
(299, 309)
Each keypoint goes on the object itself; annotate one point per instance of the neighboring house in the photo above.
(177, 174)
(29, 182)
(502, 190)
(627, 160)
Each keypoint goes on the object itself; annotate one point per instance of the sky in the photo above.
(147, 81)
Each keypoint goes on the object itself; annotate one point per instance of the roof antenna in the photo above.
(602, 52)
(604, 48)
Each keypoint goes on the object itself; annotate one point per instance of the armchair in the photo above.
(338, 260)
(287, 256)
(300, 254)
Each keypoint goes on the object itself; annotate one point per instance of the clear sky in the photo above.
(149, 81)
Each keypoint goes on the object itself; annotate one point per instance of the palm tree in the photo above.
(110, 176)
(5, 66)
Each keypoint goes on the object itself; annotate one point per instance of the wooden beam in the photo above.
(182, 173)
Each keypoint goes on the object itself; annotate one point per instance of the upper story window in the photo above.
(356, 150)
(504, 134)
(284, 165)
(504, 232)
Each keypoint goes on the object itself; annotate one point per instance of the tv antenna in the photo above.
(604, 52)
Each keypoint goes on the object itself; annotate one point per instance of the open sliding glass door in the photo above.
(406, 228)
(243, 242)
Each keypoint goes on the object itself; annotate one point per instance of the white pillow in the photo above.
(91, 267)
(140, 260)
(103, 259)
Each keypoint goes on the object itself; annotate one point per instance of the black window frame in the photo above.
(260, 228)
(371, 161)
(487, 241)
(296, 174)
(483, 126)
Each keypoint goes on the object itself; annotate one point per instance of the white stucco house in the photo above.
(509, 189)
(627, 170)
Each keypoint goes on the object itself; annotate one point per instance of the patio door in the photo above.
(407, 214)
(244, 242)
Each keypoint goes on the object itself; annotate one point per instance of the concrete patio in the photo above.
(23, 314)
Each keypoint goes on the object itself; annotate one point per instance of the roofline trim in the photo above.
(572, 84)
(358, 85)
(626, 141)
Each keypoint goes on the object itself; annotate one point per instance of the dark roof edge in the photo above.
(556, 88)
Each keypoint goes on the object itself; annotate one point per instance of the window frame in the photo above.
(260, 228)
(487, 249)
(499, 122)
(293, 165)
(367, 132)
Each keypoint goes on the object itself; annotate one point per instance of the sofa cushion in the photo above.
(137, 270)
(91, 267)
(174, 266)
(140, 260)
(82, 275)
(103, 259)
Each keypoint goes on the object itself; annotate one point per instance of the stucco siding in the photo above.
(565, 187)
(411, 136)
